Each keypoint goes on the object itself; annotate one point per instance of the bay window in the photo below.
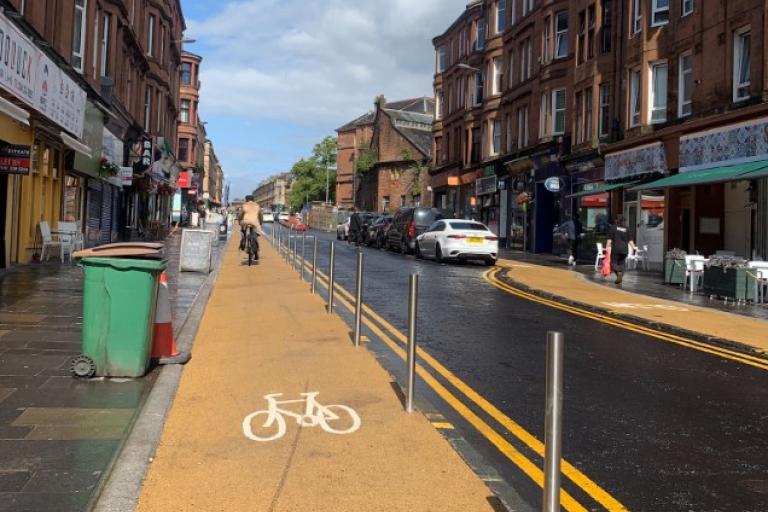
(496, 137)
(658, 99)
(637, 16)
(687, 7)
(501, 14)
(561, 35)
(634, 97)
(558, 112)
(659, 12)
(604, 122)
(498, 74)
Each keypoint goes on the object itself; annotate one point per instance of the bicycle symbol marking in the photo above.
(333, 418)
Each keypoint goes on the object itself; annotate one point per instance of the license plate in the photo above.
(474, 240)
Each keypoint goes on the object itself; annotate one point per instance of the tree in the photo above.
(309, 175)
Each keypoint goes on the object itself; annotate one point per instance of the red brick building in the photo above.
(353, 138)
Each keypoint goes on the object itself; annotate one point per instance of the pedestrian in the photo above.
(618, 243)
(573, 230)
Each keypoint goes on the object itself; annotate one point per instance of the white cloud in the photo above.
(317, 63)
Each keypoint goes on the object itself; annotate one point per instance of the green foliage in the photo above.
(419, 167)
(367, 158)
(309, 175)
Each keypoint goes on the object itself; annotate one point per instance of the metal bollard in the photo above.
(331, 265)
(314, 266)
(413, 299)
(358, 296)
(303, 253)
(553, 422)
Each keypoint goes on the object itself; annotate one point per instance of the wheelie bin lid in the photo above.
(124, 250)
(152, 265)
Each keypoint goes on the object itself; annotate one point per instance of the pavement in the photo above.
(59, 436)
(264, 333)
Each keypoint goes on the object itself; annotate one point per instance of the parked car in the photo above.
(268, 217)
(342, 230)
(359, 222)
(408, 223)
(283, 216)
(377, 231)
(458, 240)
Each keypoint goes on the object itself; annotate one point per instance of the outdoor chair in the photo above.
(600, 256)
(49, 242)
(694, 271)
(760, 269)
(67, 233)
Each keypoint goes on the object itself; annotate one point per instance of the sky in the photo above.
(279, 75)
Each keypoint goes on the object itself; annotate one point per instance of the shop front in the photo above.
(15, 163)
(487, 198)
(515, 200)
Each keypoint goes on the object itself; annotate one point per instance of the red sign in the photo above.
(14, 159)
(183, 181)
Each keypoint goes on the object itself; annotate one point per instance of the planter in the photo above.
(733, 283)
(674, 271)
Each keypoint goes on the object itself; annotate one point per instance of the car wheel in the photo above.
(417, 251)
(438, 254)
(490, 262)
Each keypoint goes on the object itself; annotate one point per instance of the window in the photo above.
(511, 78)
(637, 16)
(579, 119)
(687, 7)
(522, 127)
(546, 37)
(23, 7)
(450, 99)
(634, 97)
(498, 75)
(526, 58)
(685, 85)
(479, 83)
(605, 110)
(460, 92)
(402, 200)
(184, 150)
(659, 12)
(439, 105)
(581, 38)
(741, 65)
(496, 144)
(159, 112)
(513, 14)
(441, 59)
(527, 6)
(105, 46)
(588, 115)
(607, 31)
(561, 35)
(658, 99)
(439, 156)
(162, 43)
(543, 110)
(147, 107)
(385, 203)
(501, 15)
(150, 35)
(184, 111)
(475, 157)
(558, 112)
(591, 22)
(186, 73)
(480, 34)
(79, 35)
(510, 140)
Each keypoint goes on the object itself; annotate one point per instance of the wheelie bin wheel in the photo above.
(83, 367)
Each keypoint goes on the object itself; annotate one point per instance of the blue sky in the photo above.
(279, 75)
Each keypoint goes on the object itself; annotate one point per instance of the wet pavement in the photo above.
(59, 435)
(659, 427)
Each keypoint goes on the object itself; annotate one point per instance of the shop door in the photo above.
(3, 211)
(630, 214)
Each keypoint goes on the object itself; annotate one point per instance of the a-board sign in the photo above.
(196, 250)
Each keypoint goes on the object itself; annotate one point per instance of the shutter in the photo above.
(93, 223)
(106, 214)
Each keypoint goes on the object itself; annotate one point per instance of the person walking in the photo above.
(618, 243)
(573, 229)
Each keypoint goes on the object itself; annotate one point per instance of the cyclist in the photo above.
(250, 217)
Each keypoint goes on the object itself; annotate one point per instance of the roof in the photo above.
(415, 127)
(421, 105)
(364, 119)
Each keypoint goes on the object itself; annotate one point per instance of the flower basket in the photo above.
(107, 169)
(674, 271)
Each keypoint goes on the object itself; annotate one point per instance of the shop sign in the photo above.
(183, 181)
(126, 176)
(146, 153)
(553, 184)
(27, 73)
(486, 185)
(14, 159)
(648, 159)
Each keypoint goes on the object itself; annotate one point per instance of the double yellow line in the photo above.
(394, 339)
(491, 276)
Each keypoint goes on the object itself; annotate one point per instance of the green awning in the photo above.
(602, 189)
(737, 172)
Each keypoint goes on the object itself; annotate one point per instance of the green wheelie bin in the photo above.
(119, 299)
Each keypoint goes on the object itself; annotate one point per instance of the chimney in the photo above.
(380, 101)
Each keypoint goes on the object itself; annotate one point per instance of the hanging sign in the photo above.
(553, 184)
(146, 153)
(14, 159)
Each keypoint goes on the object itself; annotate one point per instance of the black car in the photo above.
(377, 231)
(408, 223)
(359, 223)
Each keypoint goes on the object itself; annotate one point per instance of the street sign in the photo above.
(553, 184)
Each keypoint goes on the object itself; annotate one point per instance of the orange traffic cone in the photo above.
(163, 343)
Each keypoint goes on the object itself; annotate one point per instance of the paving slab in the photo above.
(263, 333)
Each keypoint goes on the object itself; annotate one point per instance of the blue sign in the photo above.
(553, 184)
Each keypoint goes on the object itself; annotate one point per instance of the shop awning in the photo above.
(77, 145)
(602, 189)
(722, 174)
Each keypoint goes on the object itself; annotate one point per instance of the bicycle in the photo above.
(251, 244)
(315, 414)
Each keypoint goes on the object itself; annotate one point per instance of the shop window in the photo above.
(741, 65)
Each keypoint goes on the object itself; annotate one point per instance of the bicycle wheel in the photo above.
(346, 421)
(248, 248)
(277, 420)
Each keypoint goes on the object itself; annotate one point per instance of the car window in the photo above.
(469, 226)
(436, 226)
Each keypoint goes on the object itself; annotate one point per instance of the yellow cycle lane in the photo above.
(263, 334)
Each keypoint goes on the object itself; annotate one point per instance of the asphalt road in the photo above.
(658, 426)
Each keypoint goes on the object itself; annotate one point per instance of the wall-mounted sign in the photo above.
(183, 181)
(486, 185)
(14, 159)
(453, 181)
(553, 184)
(146, 153)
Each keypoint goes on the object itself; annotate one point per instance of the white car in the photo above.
(268, 217)
(283, 216)
(458, 240)
(342, 230)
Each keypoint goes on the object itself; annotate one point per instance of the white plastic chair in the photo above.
(600, 256)
(67, 233)
(694, 270)
(49, 242)
(760, 268)
(641, 256)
